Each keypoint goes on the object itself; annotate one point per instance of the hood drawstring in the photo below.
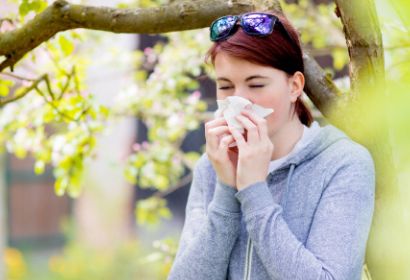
(284, 200)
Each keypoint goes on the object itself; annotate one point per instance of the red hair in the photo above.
(281, 50)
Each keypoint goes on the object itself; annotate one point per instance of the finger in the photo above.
(225, 142)
(214, 134)
(240, 140)
(260, 122)
(253, 133)
(214, 123)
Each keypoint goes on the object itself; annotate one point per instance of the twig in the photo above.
(17, 76)
(5, 101)
(67, 83)
(50, 91)
(54, 106)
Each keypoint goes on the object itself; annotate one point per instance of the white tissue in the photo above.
(233, 105)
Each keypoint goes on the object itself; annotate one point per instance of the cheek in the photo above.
(278, 102)
(281, 105)
(219, 95)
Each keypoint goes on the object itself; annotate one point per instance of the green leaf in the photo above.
(27, 6)
(5, 86)
(340, 58)
(161, 182)
(24, 8)
(4, 90)
(60, 186)
(149, 211)
(130, 174)
(38, 5)
(20, 152)
(66, 45)
(39, 167)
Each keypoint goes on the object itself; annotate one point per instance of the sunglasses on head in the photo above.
(255, 24)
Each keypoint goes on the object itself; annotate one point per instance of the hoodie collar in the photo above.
(324, 138)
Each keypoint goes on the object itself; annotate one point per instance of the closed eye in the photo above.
(256, 86)
(225, 88)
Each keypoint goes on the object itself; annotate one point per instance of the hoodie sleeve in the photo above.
(208, 236)
(338, 235)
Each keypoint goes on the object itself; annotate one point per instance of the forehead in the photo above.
(232, 67)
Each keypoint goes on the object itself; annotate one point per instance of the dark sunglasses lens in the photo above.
(222, 27)
(258, 24)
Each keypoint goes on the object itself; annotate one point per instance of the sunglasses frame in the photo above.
(243, 24)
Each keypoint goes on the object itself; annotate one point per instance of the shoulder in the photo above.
(344, 151)
(349, 162)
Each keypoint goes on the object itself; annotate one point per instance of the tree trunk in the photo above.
(367, 125)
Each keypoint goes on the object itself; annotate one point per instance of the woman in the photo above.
(296, 200)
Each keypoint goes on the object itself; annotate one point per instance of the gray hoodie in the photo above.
(310, 219)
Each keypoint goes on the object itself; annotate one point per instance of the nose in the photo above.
(244, 93)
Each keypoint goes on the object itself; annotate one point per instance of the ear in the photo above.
(296, 84)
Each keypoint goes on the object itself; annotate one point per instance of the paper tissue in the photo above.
(232, 106)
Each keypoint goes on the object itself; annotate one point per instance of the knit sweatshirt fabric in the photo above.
(310, 218)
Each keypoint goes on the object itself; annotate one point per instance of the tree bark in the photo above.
(321, 90)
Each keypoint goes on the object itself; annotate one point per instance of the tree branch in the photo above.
(321, 89)
(17, 77)
(62, 15)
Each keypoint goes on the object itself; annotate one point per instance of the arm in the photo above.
(207, 238)
(337, 239)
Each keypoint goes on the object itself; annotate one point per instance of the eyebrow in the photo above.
(246, 80)
(255, 77)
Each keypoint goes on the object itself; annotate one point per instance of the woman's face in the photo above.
(262, 85)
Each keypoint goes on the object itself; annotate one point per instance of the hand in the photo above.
(223, 159)
(255, 152)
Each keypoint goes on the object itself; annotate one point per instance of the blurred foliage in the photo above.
(386, 109)
(320, 30)
(15, 264)
(169, 104)
(128, 260)
(57, 121)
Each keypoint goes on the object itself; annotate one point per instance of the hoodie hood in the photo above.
(323, 139)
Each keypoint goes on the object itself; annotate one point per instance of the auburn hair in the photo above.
(281, 50)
